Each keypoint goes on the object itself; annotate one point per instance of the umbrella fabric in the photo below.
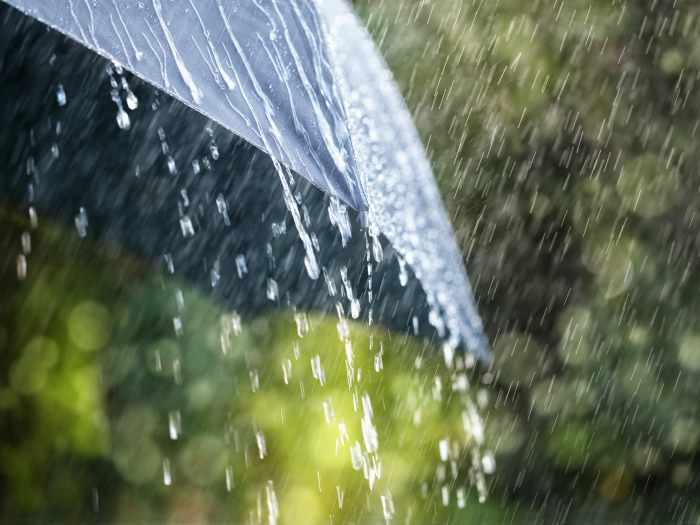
(258, 67)
(405, 202)
(177, 190)
(391, 168)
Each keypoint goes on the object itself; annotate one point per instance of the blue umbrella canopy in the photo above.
(259, 68)
(302, 82)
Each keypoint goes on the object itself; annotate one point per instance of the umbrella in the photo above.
(287, 78)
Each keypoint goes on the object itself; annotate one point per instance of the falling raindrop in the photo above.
(241, 267)
(317, 369)
(81, 222)
(260, 440)
(21, 267)
(223, 209)
(272, 290)
(229, 478)
(177, 325)
(186, 226)
(339, 218)
(377, 251)
(132, 102)
(174, 424)
(33, 219)
(328, 410)
(61, 95)
(302, 322)
(356, 456)
(166, 472)
(123, 120)
(403, 273)
(26, 243)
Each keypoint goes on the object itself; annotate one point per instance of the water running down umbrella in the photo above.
(270, 76)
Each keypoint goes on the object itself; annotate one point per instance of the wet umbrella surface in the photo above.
(288, 98)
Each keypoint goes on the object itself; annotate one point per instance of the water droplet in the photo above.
(378, 363)
(241, 267)
(317, 369)
(377, 251)
(328, 410)
(177, 325)
(339, 218)
(279, 228)
(287, 371)
(166, 472)
(214, 149)
(215, 273)
(21, 267)
(272, 290)
(449, 354)
(444, 449)
(186, 226)
(61, 95)
(81, 222)
(171, 166)
(229, 478)
(123, 120)
(169, 263)
(26, 243)
(311, 265)
(356, 456)
(177, 370)
(343, 433)
(33, 219)
(388, 506)
(461, 498)
(403, 274)
(302, 323)
(132, 102)
(195, 166)
(489, 462)
(174, 424)
(260, 440)
(254, 380)
(54, 150)
(355, 308)
(329, 282)
(223, 208)
(180, 300)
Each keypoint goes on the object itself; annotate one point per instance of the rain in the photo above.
(332, 262)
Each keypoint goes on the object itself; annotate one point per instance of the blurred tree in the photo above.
(562, 134)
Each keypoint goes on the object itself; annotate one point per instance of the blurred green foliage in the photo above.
(563, 138)
(127, 396)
